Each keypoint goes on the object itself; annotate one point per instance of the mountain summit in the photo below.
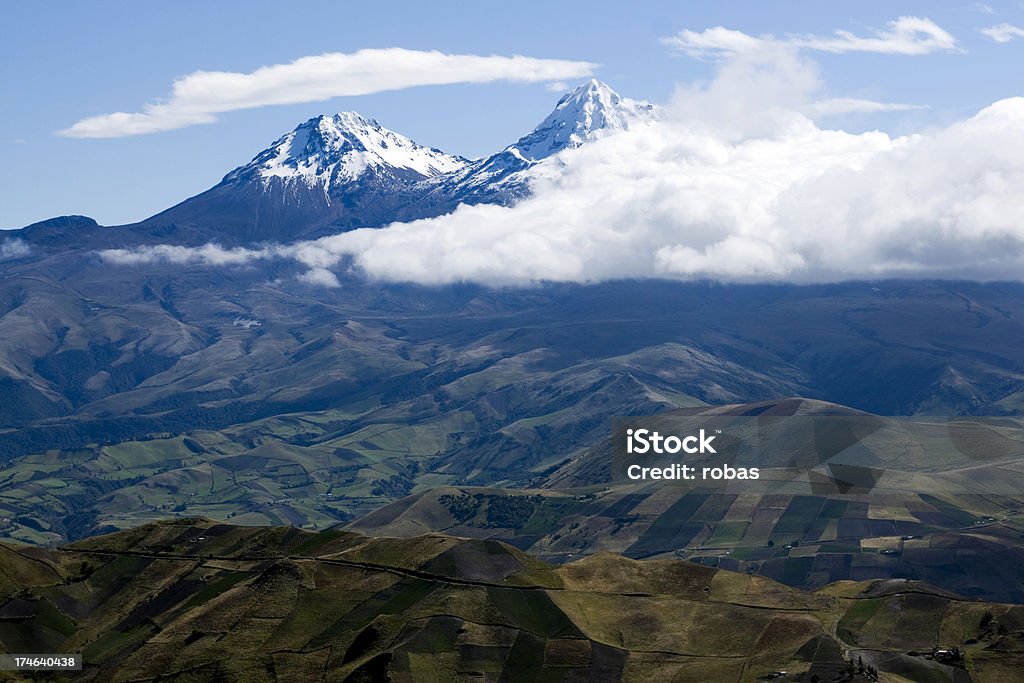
(590, 111)
(582, 115)
(340, 149)
(346, 171)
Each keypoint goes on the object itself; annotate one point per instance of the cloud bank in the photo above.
(805, 204)
(198, 97)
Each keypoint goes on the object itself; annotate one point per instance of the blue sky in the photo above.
(61, 62)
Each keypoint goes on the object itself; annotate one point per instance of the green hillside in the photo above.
(198, 600)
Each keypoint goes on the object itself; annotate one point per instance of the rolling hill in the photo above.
(199, 600)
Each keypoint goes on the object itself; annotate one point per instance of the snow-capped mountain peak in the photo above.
(346, 171)
(332, 149)
(587, 112)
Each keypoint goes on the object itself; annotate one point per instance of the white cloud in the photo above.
(14, 248)
(850, 105)
(198, 97)
(983, 8)
(1003, 33)
(320, 277)
(208, 254)
(902, 36)
(752, 92)
(716, 41)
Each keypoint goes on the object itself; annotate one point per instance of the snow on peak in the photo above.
(329, 149)
(590, 110)
(348, 153)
